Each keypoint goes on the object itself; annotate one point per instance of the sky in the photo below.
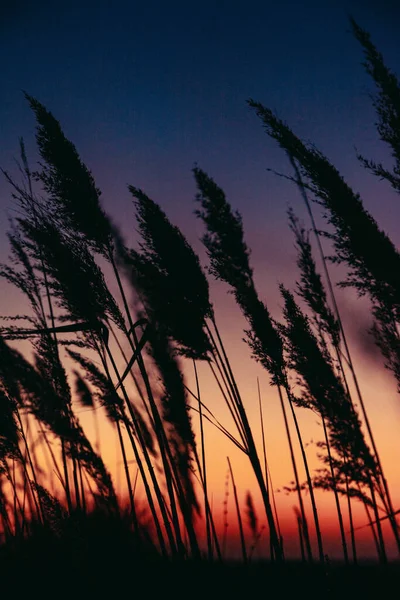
(146, 90)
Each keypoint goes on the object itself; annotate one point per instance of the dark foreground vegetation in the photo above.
(99, 559)
(114, 329)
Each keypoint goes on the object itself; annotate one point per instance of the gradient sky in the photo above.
(147, 89)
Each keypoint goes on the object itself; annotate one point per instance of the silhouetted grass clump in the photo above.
(114, 330)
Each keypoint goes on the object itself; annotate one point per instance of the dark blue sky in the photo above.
(145, 89)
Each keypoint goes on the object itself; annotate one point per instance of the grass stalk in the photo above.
(128, 479)
(33, 208)
(306, 534)
(332, 294)
(171, 474)
(252, 452)
(166, 456)
(204, 469)
(149, 467)
(336, 495)
(350, 511)
(268, 479)
(309, 481)
(263, 436)
(36, 499)
(239, 517)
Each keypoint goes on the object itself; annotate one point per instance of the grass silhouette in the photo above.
(130, 360)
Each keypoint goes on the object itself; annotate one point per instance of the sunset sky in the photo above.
(147, 89)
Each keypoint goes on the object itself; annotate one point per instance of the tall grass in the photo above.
(131, 352)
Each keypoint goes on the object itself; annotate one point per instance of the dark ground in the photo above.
(102, 561)
(110, 573)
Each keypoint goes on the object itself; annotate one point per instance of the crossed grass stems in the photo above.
(59, 239)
